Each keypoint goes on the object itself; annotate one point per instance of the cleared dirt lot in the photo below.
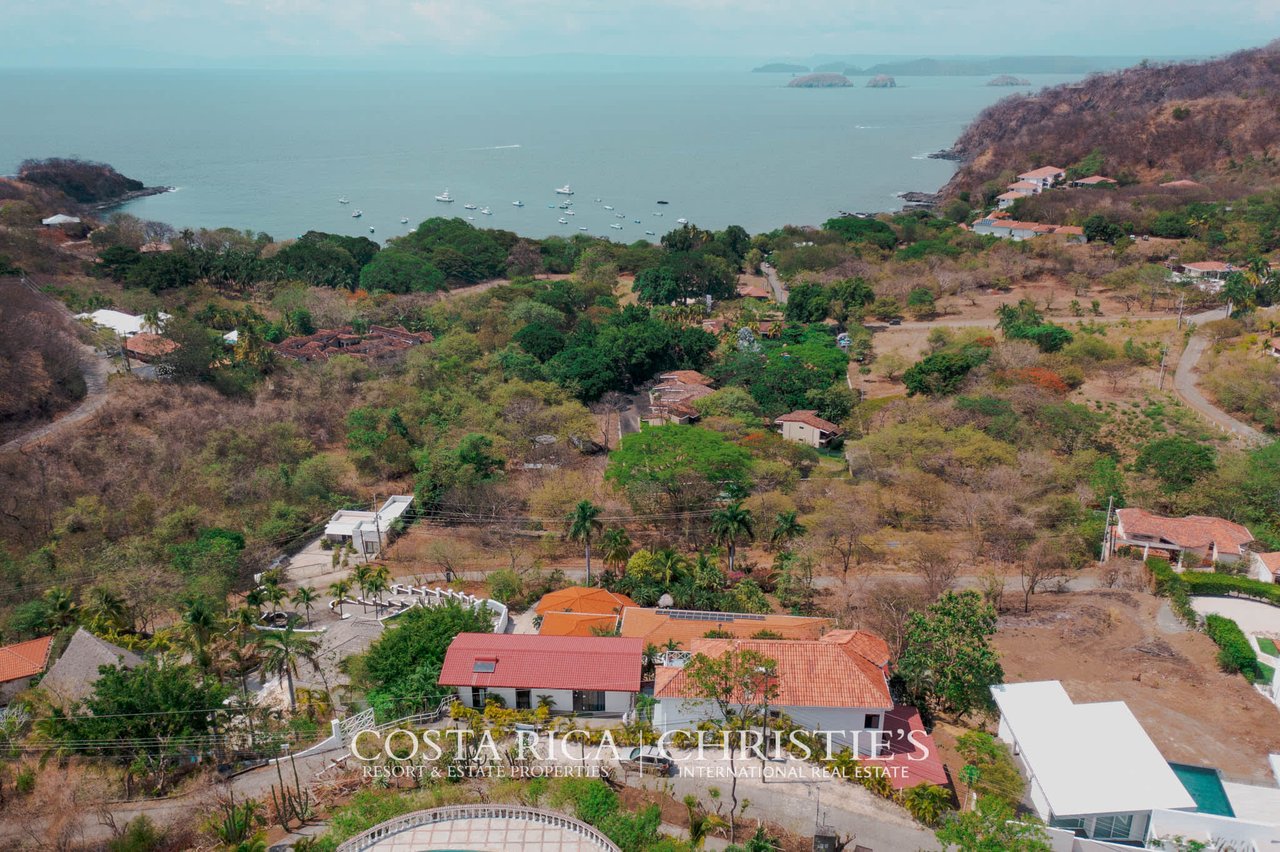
(1107, 645)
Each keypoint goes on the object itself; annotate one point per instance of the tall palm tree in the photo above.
(63, 609)
(254, 598)
(106, 609)
(670, 563)
(730, 524)
(361, 576)
(340, 589)
(584, 523)
(615, 547)
(377, 585)
(786, 529)
(305, 597)
(283, 651)
(200, 619)
(274, 594)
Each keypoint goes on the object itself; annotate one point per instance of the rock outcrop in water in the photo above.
(1008, 80)
(881, 81)
(820, 81)
(84, 182)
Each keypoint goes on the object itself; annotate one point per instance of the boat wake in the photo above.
(493, 148)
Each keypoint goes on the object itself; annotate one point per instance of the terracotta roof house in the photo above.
(70, 680)
(148, 347)
(580, 611)
(998, 224)
(1025, 187)
(1093, 180)
(682, 626)
(1207, 275)
(1044, 177)
(822, 686)
(19, 663)
(669, 401)
(591, 675)
(1204, 538)
(806, 427)
(751, 290)
(378, 343)
(687, 377)
(1006, 199)
(1265, 567)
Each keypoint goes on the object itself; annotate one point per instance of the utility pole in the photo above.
(1106, 530)
(1182, 299)
(124, 350)
(1164, 352)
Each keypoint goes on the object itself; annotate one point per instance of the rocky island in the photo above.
(1008, 80)
(819, 81)
(882, 81)
(95, 185)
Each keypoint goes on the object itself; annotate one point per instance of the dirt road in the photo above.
(1184, 382)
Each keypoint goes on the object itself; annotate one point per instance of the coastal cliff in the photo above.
(96, 185)
(820, 81)
(1149, 122)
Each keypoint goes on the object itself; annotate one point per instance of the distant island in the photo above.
(85, 182)
(881, 81)
(836, 67)
(781, 68)
(1008, 80)
(819, 81)
(968, 67)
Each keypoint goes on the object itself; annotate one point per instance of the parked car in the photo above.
(648, 759)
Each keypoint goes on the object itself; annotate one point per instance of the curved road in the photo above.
(1184, 383)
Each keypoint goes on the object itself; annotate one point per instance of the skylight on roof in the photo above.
(484, 666)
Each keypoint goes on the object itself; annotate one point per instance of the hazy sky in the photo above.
(247, 32)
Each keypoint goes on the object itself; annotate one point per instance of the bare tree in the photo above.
(888, 605)
(1043, 564)
(936, 564)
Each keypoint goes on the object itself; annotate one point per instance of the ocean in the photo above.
(274, 150)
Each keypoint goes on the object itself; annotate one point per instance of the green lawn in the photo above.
(1268, 646)
(1268, 674)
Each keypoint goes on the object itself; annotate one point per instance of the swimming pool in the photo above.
(1205, 786)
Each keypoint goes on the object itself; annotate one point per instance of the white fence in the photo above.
(436, 816)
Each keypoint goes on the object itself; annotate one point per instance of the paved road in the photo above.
(1184, 383)
(771, 275)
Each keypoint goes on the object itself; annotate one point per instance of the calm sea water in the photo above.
(273, 151)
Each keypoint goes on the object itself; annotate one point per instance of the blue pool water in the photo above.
(1205, 786)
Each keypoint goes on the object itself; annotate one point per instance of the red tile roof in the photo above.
(379, 342)
(808, 674)
(687, 377)
(147, 345)
(915, 757)
(1023, 184)
(753, 291)
(660, 626)
(583, 599)
(809, 418)
(521, 661)
(1271, 560)
(1193, 531)
(1041, 173)
(576, 624)
(864, 643)
(24, 659)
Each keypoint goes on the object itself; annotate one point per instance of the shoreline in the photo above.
(129, 196)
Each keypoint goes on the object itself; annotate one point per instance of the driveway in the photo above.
(775, 284)
(95, 366)
(1252, 616)
(1184, 382)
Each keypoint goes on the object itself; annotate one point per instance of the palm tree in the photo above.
(377, 585)
(649, 659)
(670, 563)
(201, 620)
(340, 589)
(361, 577)
(254, 598)
(282, 651)
(615, 547)
(730, 524)
(274, 595)
(106, 609)
(584, 523)
(305, 597)
(786, 529)
(63, 609)
(701, 823)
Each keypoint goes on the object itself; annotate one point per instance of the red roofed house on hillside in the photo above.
(1190, 542)
(588, 675)
(820, 685)
(1208, 275)
(806, 427)
(1093, 180)
(580, 611)
(1045, 176)
(19, 663)
(1265, 567)
(148, 347)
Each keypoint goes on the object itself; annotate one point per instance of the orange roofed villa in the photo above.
(580, 611)
(1193, 542)
(678, 628)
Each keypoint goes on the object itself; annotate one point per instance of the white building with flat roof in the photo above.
(124, 325)
(368, 532)
(1091, 768)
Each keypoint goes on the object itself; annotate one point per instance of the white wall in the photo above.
(674, 713)
(614, 702)
(1193, 826)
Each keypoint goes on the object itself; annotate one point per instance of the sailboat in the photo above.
(342, 199)
(445, 197)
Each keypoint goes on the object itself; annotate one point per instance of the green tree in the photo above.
(583, 525)
(885, 308)
(993, 826)
(400, 272)
(921, 304)
(942, 373)
(927, 803)
(729, 524)
(786, 529)
(615, 547)
(947, 658)
(339, 589)
(1098, 229)
(994, 771)
(1177, 462)
(283, 651)
(200, 620)
(305, 597)
(678, 467)
(856, 229)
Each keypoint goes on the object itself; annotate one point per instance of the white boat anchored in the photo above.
(468, 206)
(371, 230)
(616, 226)
(583, 228)
(564, 190)
(404, 220)
(618, 216)
(357, 214)
(517, 204)
(682, 221)
(342, 199)
(569, 213)
(445, 197)
(563, 221)
(608, 207)
(650, 234)
(485, 211)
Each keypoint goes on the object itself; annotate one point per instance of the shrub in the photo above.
(1169, 584)
(1235, 654)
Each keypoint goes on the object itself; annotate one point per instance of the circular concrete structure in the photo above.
(481, 828)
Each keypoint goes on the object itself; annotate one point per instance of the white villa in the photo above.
(124, 325)
(1044, 177)
(368, 532)
(1099, 782)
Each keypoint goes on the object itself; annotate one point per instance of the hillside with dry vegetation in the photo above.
(1152, 122)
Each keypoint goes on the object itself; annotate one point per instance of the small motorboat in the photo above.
(583, 228)
(636, 221)
(650, 234)
(471, 218)
(485, 211)
(616, 226)
(565, 205)
(445, 197)
(682, 221)
(598, 200)
(563, 221)
(371, 230)
(569, 213)
(357, 214)
(657, 214)
(468, 207)
(608, 207)
(663, 202)
(564, 190)
(619, 216)
(517, 204)
(404, 220)
(342, 199)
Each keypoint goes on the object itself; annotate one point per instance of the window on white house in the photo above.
(588, 701)
(1114, 827)
(478, 696)
(871, 720)
(524, 699)
(1075, 824)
